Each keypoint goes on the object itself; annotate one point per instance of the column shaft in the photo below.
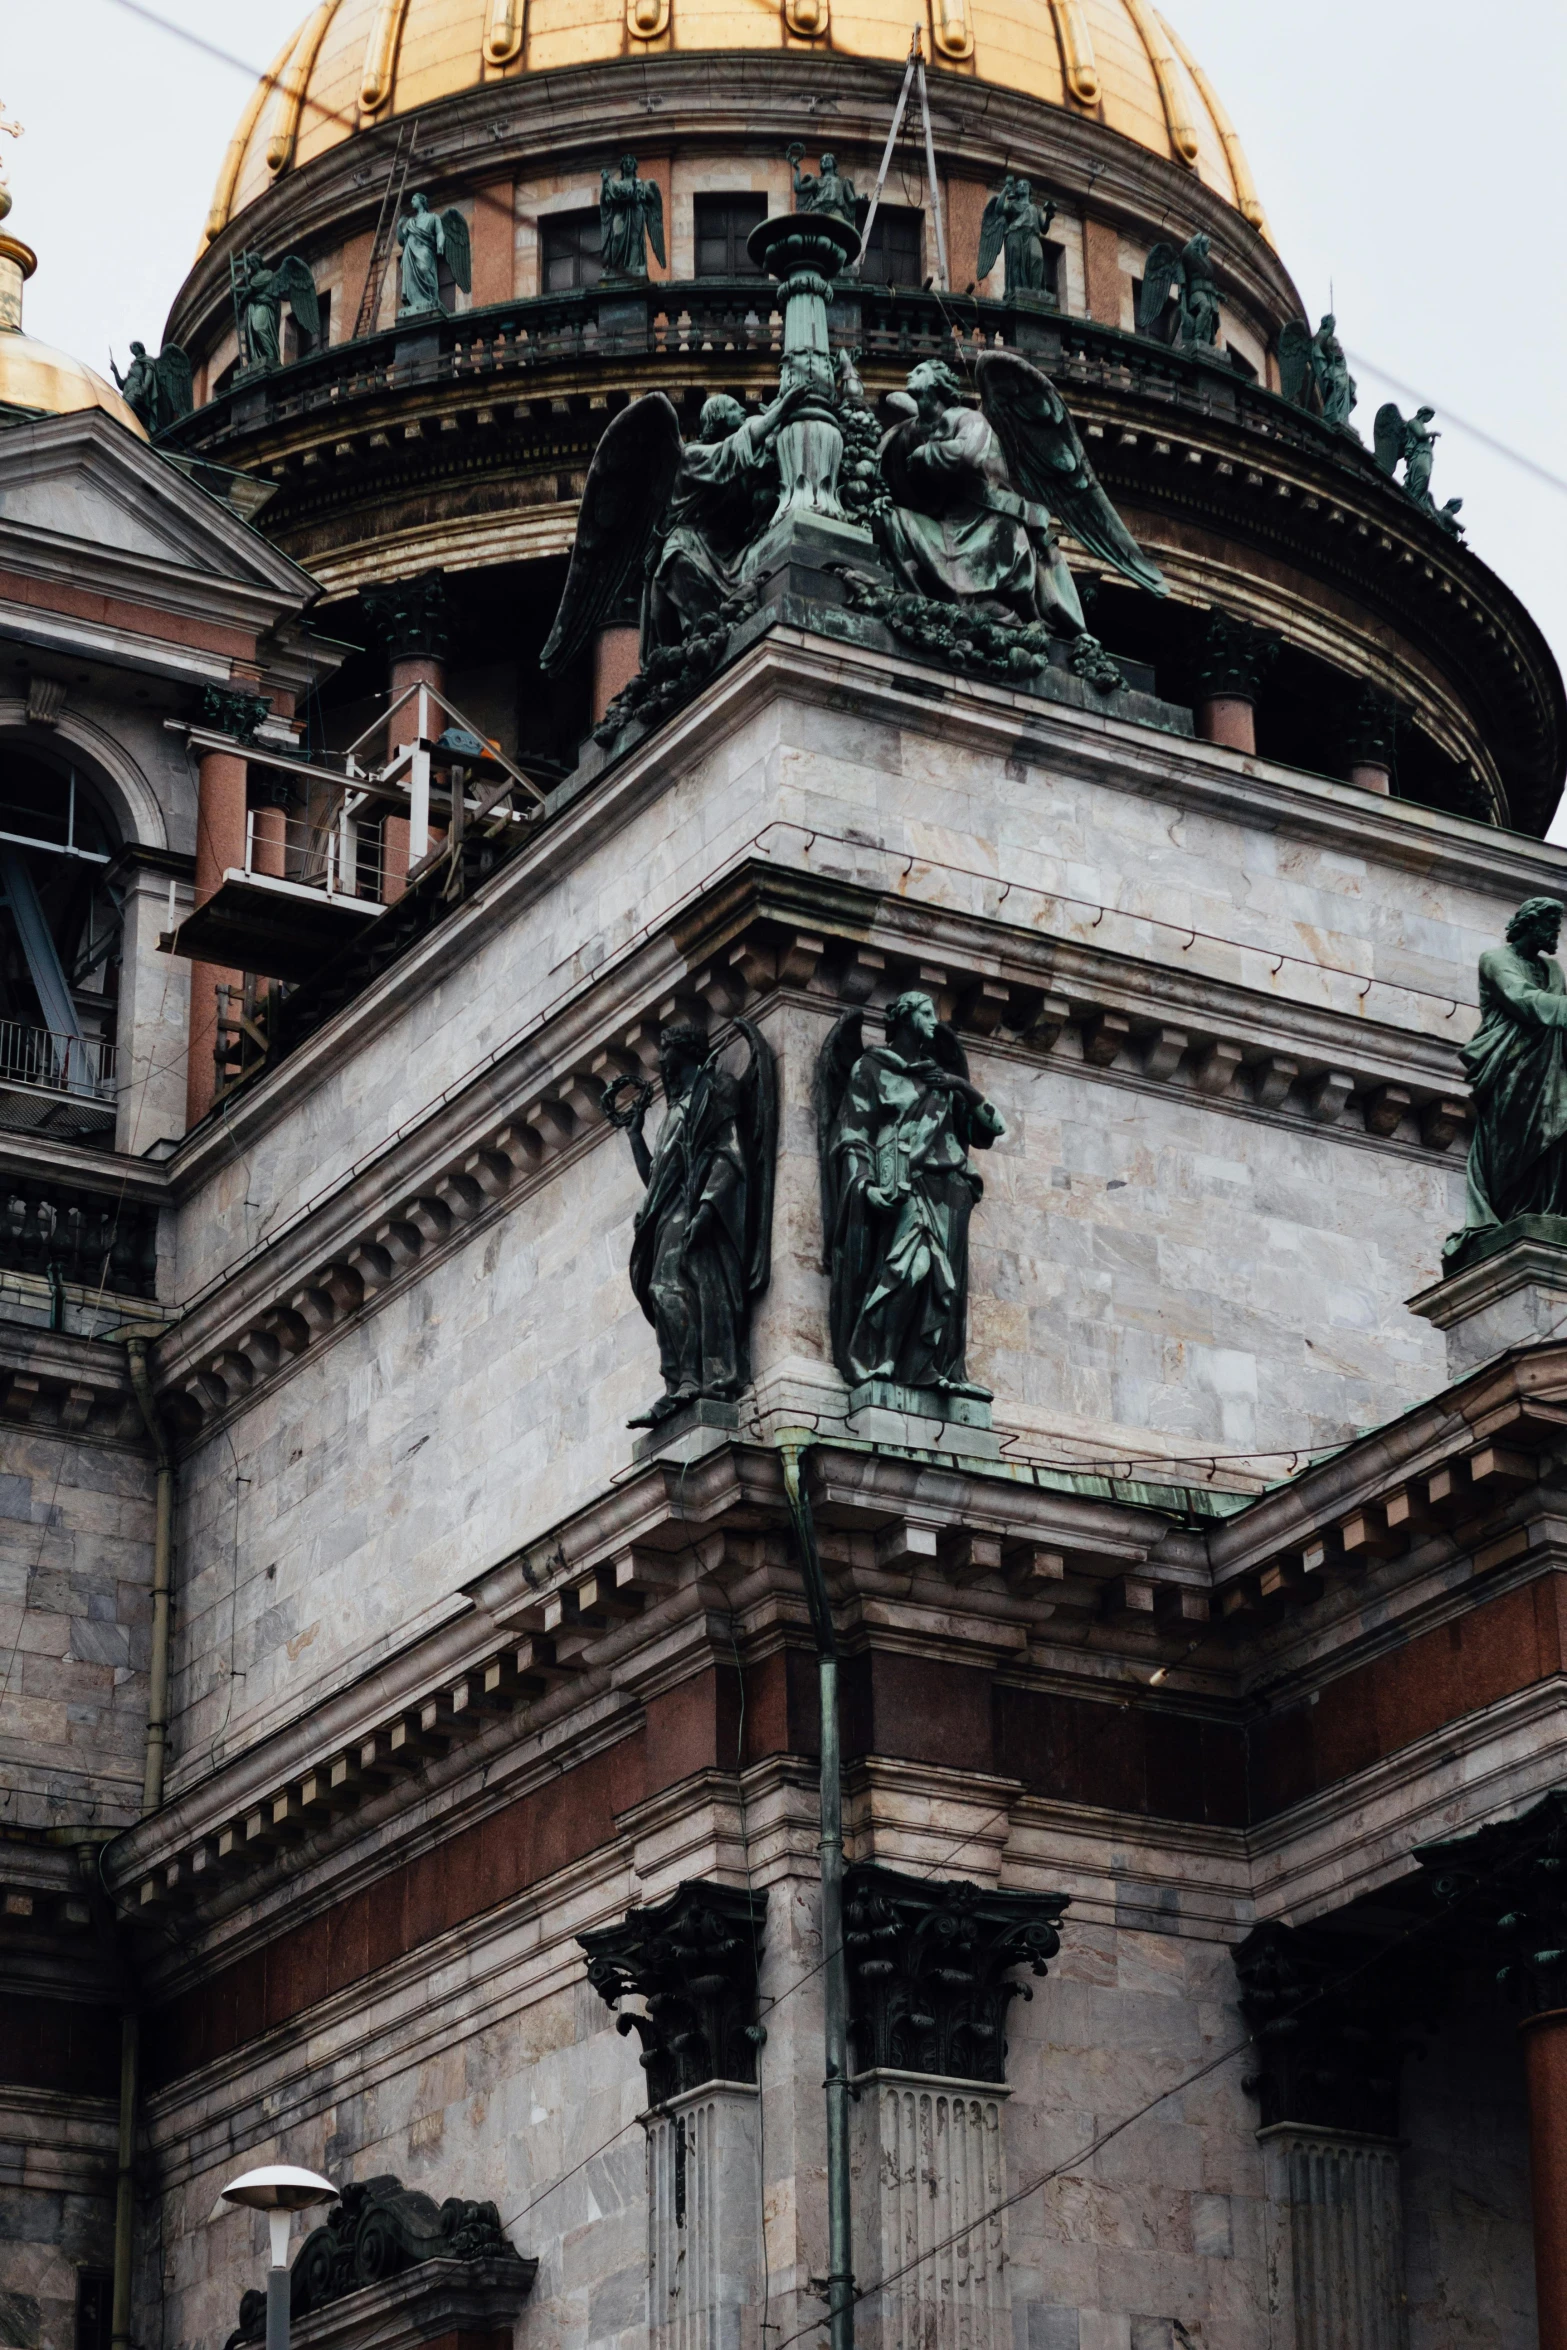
(220, 844)
(1545, 2066)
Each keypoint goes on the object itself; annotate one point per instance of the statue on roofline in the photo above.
(631, 217)
(1013, 224)
(424, 240)
(1409, 440)
(978, 495)
(895, 1123)
(1314, 373)
(1516, 1064)
(683, 515)
(157, 390)
(259, 296)
(1187, 272)
(828, 191)
(701, 1249)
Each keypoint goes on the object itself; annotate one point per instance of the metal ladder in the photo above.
(386, 224)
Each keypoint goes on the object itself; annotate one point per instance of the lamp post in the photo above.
(279, 2190)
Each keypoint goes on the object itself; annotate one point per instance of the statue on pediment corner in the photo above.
(972, 533)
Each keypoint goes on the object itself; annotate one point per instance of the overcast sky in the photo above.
(1409, 153)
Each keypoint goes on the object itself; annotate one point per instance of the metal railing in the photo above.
(332, 852)
(58, 1064)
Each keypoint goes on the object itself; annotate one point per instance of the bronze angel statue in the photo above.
(895, 1123)
(681, 514)
(259, 296)
(631, 217)
(1314, 373)
(978, 494)
(157, 390)
(701, 1251)
(1012, 223)
(424, 240)
(1187, 272)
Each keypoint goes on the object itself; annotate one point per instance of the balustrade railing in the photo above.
(740, 318)
(58, 1064)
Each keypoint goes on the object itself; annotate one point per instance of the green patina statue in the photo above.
(424, 240)
(1012, 223)
(826, 191)
(701, 1247)
(158, 390)
(631, 217)
(1186, 271)
(895, 1124)
(1516, 1064)
(259, 295)
(975, 499)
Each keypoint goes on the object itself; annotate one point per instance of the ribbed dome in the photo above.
(356, 63)
(35, 379)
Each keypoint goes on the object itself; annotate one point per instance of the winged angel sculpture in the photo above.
(1012, 223)
(1409, 440)
(977, 496)
(682, 516)
(259, 296)
(424, 240)
(1186, 271)
(701, 1251)
(157, 390)
(895, 1123)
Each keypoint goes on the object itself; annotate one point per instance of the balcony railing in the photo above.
(739, 318)
(81, 1065)
(332, 853)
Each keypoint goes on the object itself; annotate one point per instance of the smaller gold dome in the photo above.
(33, 376)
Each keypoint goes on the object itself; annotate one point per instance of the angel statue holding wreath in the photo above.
(701, 1250)
(978, 495)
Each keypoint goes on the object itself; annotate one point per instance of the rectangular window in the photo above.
(895, 255)
(572, 243)
(722, 225)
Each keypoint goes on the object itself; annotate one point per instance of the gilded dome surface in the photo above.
(35, 376)
(354, 64)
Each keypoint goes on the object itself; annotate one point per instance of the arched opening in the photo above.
(60, 925)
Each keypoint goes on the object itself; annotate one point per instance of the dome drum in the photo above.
(462, 441)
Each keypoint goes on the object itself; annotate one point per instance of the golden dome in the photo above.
(33, 376)
(354, 64)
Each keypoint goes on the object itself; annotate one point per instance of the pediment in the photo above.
(81, 488)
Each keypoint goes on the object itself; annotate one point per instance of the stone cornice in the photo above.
(513, 1127)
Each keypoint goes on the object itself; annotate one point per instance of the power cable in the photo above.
(1449, 416)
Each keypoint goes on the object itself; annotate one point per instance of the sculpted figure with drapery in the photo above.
(896, 1122)
(1516, 1064)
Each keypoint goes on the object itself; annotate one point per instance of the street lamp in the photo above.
(279, 2190)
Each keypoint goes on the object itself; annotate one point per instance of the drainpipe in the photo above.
(793, 1444)
(151, 1799)
(162, 1548)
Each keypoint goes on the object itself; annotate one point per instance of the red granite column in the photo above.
(220, 845)
(1235, 659)
(1370, 734)
(1545, 2066)
(617, 656)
